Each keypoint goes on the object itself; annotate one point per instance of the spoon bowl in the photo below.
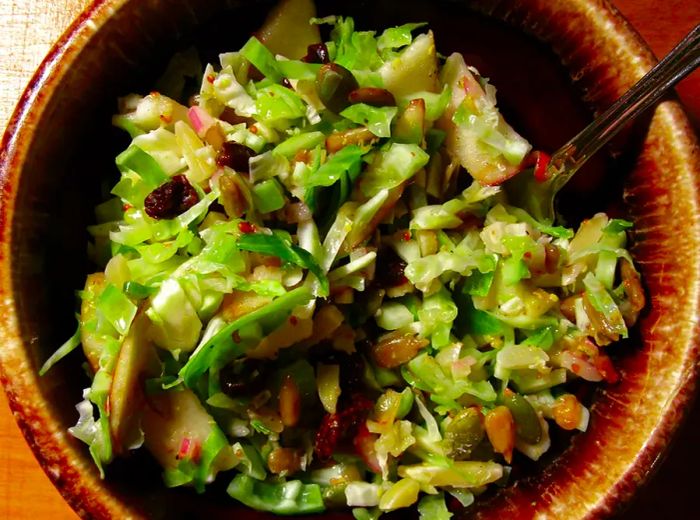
(536, 191)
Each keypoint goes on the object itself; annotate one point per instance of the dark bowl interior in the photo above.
(69, 167)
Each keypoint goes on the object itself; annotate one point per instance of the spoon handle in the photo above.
(681, 61)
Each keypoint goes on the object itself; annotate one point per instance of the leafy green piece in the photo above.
(268, 196)
(471, 320)
(543, 338)
(435, 104)
(224, 343)
(116, 308)
(397, 37)
(353, 49)
(138, 161)
(253, 465)
(542, 227)
(69, 346)
(340, 173)
(275, 246)
(127, 125)
(478, 283)
(295, 69)
(276, 102)
(392, 166)
(303, 141)
(448, 215)
(263, 60)
(603, 302)
(444, 387)
(617, 225)
(283, 498)
(433, 507)
(346, 160)
(376, 119)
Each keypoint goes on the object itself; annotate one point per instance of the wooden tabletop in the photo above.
(28, 28)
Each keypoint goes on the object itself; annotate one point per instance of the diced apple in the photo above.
(414, 70)
(463, 143)
(287, 30)
(240, 303)
(137, 360)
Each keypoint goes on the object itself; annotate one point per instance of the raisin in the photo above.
(229, 115)
(286, 83)
(344, 424)
(352, 366)
(390, 269)
(245, 377)
(316, 53)
(170, 199)
(254, 73)
(234, 155)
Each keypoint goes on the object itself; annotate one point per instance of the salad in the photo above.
(312, 284)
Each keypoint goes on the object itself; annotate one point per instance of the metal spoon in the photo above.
(537, 197)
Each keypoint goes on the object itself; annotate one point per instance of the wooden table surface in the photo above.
(28, 28)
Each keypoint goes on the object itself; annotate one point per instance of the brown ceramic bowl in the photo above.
(59, 148)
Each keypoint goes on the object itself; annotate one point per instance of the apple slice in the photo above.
(463, 143)
(176, 426)
(287, 30)
(414, 70)
(137, 360)
(93, 343)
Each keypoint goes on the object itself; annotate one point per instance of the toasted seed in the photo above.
(377, 97)
(333, 85)
(568, 307)
(234, 202)
(396, 348)
(605, 331)
(527, 423)
(290, 401)
(567, 411)
(402, 494)
(500, 429)
(360, 136)
(464, 433)
(284, 461)
(551, 258)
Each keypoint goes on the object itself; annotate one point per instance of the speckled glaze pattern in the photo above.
(632, 422)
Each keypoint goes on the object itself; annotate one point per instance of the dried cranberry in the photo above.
(343, 424)
(390, 269)
(234, 155)
(316, 53)
(172, 198)
(286, 83)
